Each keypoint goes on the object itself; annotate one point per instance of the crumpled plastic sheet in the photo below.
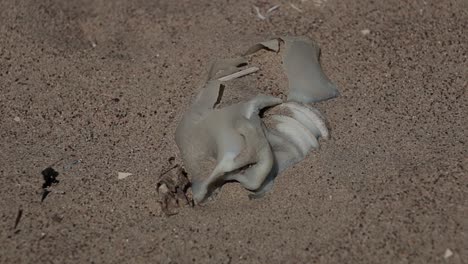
(235, 143)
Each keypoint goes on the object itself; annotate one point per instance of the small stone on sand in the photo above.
(17, 119)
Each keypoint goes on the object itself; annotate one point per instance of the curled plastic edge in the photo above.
(307, 81)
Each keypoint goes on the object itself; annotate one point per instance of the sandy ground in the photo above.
(93, 88)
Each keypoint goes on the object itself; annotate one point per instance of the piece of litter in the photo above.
(17, 119)
(273, 8)
(163, 189)
(365, 31)
(259, 15)
(448, 253)
(71, 164)
(18, 217)
(318, 3)
(295, 7)
(263, 17)
(50, 178)
(269, 150)
(123, 175)
(238, 74)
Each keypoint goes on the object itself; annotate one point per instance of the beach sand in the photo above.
(94, 88)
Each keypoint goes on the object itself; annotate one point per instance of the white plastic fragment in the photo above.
(296, 132)
(272, 45)
(365, 31)
(123, 175)
(238, 74)
(309, 117)
(263, 17)
(259, 15)
(319, 3)
(307, 81)
(293, 136)
(17, 119)
(448, 253)
(295, 7)
(273, 8)
(235, 143)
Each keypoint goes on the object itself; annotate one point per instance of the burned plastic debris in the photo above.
(50, 177)
(234, 143)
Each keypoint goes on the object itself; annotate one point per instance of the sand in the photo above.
(94, 88)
